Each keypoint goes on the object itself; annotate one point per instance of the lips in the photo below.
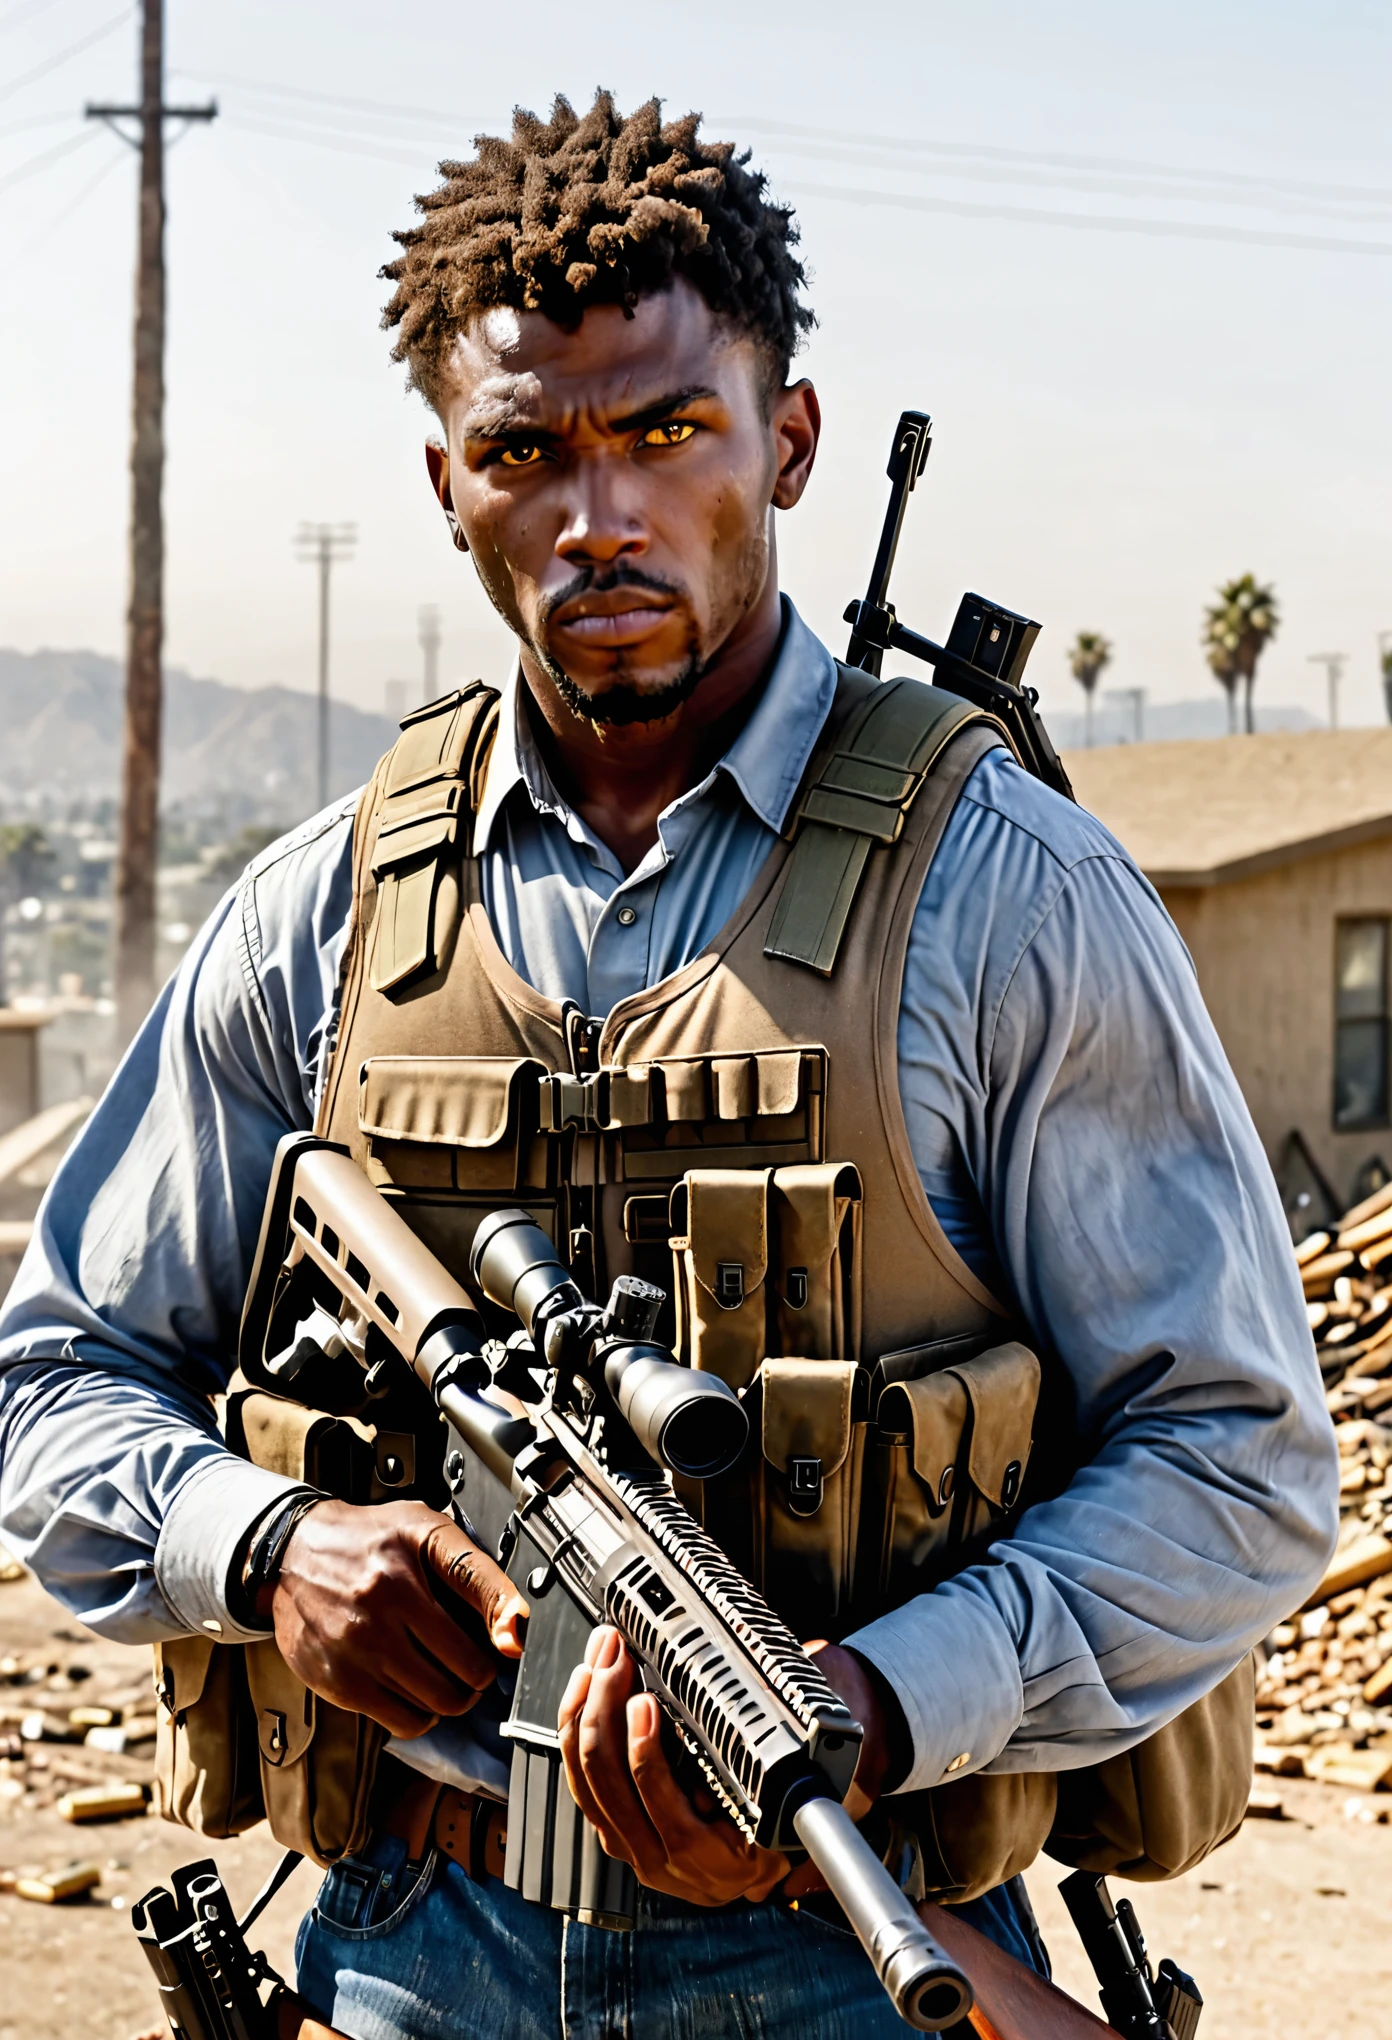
(619, 616)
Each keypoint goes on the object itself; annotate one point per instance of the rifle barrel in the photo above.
(925, 1986)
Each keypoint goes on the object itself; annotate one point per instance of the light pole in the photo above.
(1333, 664)
(323, 545)
(430, 641)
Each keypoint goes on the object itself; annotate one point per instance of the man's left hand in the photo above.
(625, 1786)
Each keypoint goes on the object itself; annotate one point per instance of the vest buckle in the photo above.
(729, 1284)
(567, 1101)
(804, 1485)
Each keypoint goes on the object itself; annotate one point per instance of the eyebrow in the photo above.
(502, 425)
(654, 413)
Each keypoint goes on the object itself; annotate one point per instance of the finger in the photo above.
(713, 1857)
(601, 1744)
(450, 1652)
(397, 1714)
(571, 1708)
(424, 1683)
(475, 1577)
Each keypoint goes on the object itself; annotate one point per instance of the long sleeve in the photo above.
(1079, 1132)
(122, 1322)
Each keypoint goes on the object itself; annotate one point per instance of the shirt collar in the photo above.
(766, 761)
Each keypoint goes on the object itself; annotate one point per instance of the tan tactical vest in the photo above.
(735, 1134)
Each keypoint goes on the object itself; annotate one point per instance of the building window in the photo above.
(1360, 1025)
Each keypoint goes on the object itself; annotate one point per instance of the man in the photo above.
(602, 313)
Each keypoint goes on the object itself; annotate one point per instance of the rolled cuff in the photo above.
(205, 1527)
(954, 1667)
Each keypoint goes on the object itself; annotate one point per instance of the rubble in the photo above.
(74, 1737)
(1324, 1692)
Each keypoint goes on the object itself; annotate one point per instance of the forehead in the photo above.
(510, 368)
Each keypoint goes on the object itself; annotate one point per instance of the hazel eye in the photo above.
(667, 435)
(526, 453)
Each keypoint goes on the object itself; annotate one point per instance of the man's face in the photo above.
(613, 485)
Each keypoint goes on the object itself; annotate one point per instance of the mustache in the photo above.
(603, 581)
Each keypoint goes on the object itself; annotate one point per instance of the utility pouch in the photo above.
(814, 1213)
(240, 1738)
(946, 1467)
(719, 1220)
(318, 1762)
(207, 1775)
(809, 1419)
(1157, 1809)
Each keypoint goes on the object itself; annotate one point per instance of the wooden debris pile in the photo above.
(1324, 1693)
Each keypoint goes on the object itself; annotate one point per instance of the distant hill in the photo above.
(241, 754)
(1164, 722)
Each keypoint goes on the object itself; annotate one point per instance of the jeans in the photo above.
(395, 1952)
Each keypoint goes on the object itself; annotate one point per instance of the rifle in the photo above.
(211, 1986)
(560, 1443)
(983, 661)
(1140, 2004)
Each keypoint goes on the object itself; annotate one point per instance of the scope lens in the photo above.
(703, 1437)
(691, 1422)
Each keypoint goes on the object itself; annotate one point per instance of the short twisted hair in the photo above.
(599, 210)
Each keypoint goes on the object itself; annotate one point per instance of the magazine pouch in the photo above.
(809, 1420)
(719, 1220)
(206, 1772)
(946, 1465)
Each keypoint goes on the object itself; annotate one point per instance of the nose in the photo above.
(601, 523)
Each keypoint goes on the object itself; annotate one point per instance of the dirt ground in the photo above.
(1285, 1928)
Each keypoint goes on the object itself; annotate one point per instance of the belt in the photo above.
(466, 1827)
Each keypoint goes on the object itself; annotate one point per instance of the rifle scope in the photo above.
(690, 1422)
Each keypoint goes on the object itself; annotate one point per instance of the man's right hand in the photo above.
(362, 1613)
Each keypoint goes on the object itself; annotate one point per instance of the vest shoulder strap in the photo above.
(424, 798)
(856, 796)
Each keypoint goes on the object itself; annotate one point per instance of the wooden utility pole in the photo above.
(138, 850)
(430, 642)
(322, 545)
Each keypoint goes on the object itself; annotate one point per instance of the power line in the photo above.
(1112, 223)
(73, 50)
(35, 120)
(1258, 197)
(827, 139)
(66, 211)
(1053, 159)
(381, 107)
(346, 147)
(17, 15)
(48, 156)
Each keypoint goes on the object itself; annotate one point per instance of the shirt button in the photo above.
(626, 917)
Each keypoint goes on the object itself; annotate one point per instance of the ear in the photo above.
(437, 463)
(796, 418)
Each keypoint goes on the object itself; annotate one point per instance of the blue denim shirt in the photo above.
(1074, 1122)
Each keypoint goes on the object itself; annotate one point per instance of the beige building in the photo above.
(1274, 855)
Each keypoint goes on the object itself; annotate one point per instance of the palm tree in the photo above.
(1237, 629)
(1089, 654)
(1224, 667)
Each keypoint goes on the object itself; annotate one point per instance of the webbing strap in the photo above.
(423, 803)
(859, 798)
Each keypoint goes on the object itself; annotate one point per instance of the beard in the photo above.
(620, 704)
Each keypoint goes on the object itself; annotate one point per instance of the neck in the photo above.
(620, 778)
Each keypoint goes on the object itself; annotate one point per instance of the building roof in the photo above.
(1209, 810)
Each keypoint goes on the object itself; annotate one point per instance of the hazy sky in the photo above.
(1124, 413)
